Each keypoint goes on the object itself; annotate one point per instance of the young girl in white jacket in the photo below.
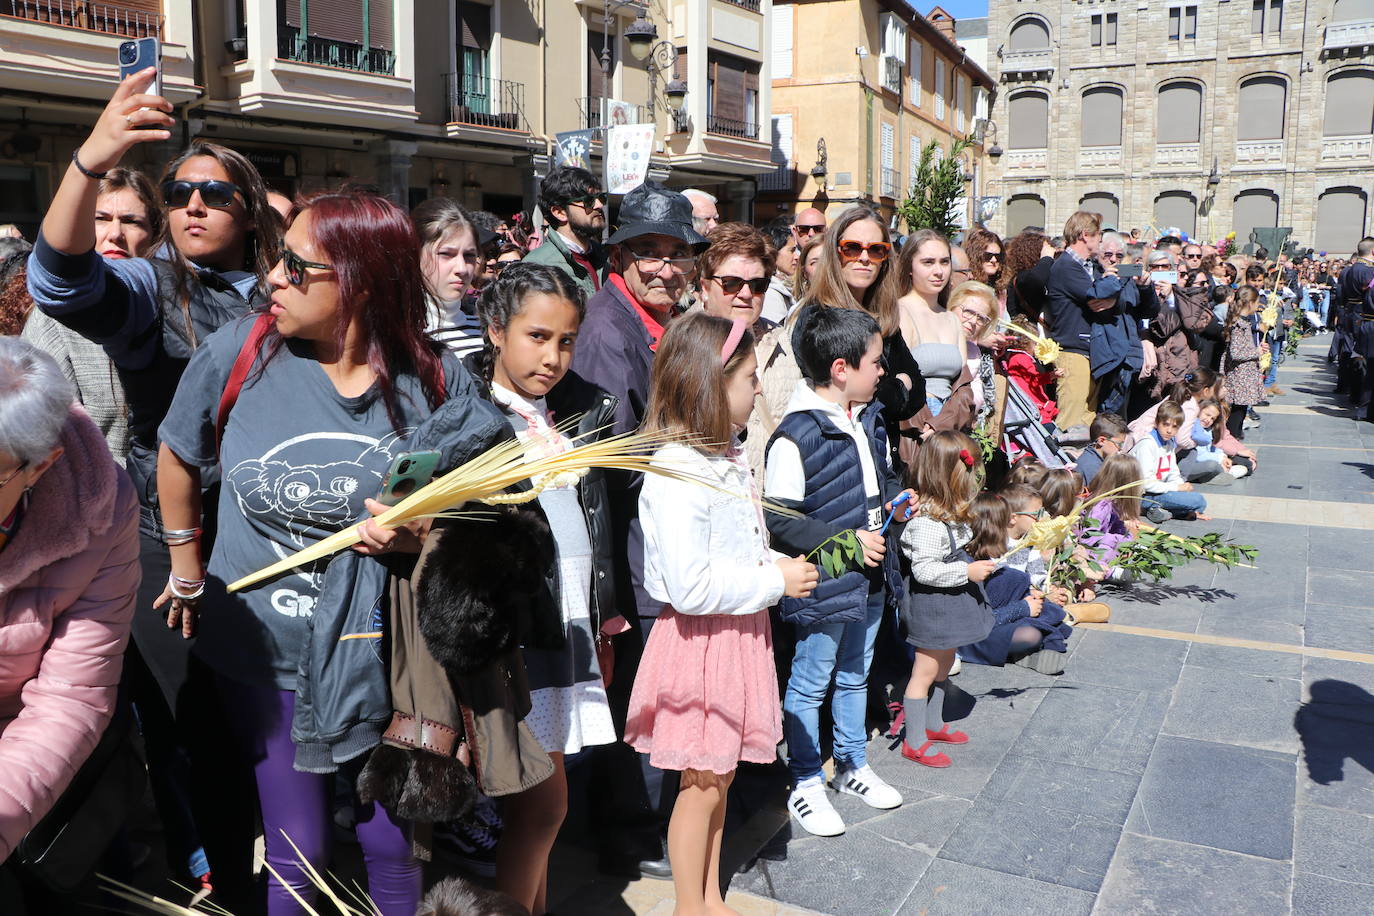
(706, 694)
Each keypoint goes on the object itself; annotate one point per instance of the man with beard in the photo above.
(574, 205)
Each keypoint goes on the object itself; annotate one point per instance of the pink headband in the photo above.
(737, 330)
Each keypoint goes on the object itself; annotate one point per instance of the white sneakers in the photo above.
(1238, 471)
(810, 804)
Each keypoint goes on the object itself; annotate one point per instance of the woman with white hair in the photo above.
(69, 574)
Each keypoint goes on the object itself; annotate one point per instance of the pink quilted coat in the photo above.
(68, 582)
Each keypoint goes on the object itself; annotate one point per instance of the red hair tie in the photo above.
(966, 457)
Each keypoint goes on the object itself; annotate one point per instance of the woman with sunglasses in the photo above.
(344, 372)
(150, 314)
(987, 258)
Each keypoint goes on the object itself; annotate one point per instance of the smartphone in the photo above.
(1130, 270)
(140, 54)
(1164, 276)
(409, 472)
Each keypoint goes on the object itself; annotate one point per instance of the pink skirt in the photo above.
(706, 694)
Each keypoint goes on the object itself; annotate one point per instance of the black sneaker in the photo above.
(472, 841)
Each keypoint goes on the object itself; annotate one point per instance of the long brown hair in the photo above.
(991, 522)
(947, 476)
(687, 388)
(828, 286)
(800, 284)
(1060, 489)
(900, 277)
(1246, 295)
(1119, 470)
(978, 242)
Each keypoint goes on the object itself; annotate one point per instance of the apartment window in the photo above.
(1103, 30)
(1349, 104)
(916, 80)
(1262, 107)
(1028, 120)
(338, 33)
(889, 151)
(893, 57)
(960, 100)
(782, 42)
(1180, 113)
(913, 160)
(1340, 218)
(732, 97)
(1182, 22)
(1101, 121)
(1266, 16)
(939, 89)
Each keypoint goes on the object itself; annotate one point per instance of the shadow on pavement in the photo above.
(1335, 726)
(1159, 593)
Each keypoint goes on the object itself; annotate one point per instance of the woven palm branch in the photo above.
(1043, 349)
(1050, 533)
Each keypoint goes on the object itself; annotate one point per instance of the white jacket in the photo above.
(1157, 463)
(706, 548)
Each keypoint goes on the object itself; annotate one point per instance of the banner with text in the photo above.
(573, 147)
(627, 156)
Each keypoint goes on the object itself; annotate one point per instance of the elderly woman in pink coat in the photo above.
(68, 575)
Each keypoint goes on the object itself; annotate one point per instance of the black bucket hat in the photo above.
(652, 209)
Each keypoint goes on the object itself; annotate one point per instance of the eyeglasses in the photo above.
(961, 270)
(974, 314)
(652, 263)
(851, 250)
(732, 285)
(1036, 515)
(992, 256)
(808, 228)
(1109, 255)
(13, 474)
(296, 265)
(217, 194)
(588, 201)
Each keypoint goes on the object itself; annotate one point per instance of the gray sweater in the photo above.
(89, 368)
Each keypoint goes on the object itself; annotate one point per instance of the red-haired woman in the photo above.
(343, 373)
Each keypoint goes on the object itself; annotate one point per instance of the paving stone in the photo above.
(1122, 660)
(1245, 661)
(858, 873)
(1336, 549)
(1219, 795)
(1068, 788)
(1106, 728)
(1238, 624)
(924, 822)
(1343, 587)
(953, 889)
(1335, 627)
(1231, 708)
(1150, 875)
(1334, 844)
(1314, 895)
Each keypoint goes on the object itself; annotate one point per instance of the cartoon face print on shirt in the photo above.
(293, 497)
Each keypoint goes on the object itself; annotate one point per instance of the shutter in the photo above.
(939, 89)
(1275, 15)
(782, 41)
(596, 82)
(381, 16)
(729, 90)
(889, 147)
(1252, 210)
(1180, 113)
(474, 25)
(1023, 212)
(1256, 28)
(1029, 35)
(1349, 105)
(1101, 121)
(1028, 126)
(1095, 31)
(291, 13)
(1261, 109)
(917, 77)
(914, 163)
(1340, 219)
(1190, 22)
(1175, 17)
(341, 20)
(1176, 209)
(1111, 28)
(1105, 204)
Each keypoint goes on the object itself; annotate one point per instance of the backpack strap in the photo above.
(248, 354)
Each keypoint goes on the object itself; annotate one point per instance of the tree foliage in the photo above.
(938, 184)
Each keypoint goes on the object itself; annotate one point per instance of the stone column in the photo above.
(392, 160)
(741, 194)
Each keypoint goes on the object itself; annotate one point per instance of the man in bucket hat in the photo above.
(652, 261)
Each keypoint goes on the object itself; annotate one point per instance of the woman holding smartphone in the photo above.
(341, 372)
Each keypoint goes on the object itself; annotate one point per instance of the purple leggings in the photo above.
(298, 803)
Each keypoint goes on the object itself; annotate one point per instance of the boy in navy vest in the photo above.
(828, 460)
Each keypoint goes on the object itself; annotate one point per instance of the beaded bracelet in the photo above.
(94, 176)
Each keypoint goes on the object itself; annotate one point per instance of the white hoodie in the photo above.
(1157, 463)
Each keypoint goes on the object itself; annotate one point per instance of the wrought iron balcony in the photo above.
(109, 18)
(892, 74)
(891, 183)
(485, 102)
(729, 127)
(311, 49)
(751, 5)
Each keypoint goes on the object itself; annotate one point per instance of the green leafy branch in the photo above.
(986, 445)
(935, 188)
(1154, 554)
(839, 553)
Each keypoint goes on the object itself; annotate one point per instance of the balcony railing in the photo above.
(486, 102)
(892, 74)
(1028, 159)
(311, 49)
(1177, 154)
(1357, 146)
(109, 18)
(1251, 153)
(1099, 157)
(891, 180)
(1033, 60)
(593, 112)
(751, 5)
(1354, 33)
(729, 127)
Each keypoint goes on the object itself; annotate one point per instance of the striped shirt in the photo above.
(460, 332)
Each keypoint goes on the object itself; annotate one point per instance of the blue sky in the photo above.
(959, 9)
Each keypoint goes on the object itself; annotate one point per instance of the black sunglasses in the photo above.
(217, 194)
(732, 285)
(296, 265)
(807, 229)
(586, 200)
(992, 256)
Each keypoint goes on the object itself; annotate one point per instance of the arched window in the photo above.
(1340, 220)
(1179, 113)
(1263, 100)
(1176, 210)
(1258, 209)
(1024, 211)
(1028, 120)
(1105, 204)
(1101, 121)
(1349, 104)
(1347, 10)
(1030, 34)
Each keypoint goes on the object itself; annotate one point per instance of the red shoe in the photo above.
(945, 736)
(938, 761)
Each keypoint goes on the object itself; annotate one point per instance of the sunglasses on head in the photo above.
(217, 194)
(807, 228)
(732, 285)
(296, 266)
(851, 250)
(587, 200)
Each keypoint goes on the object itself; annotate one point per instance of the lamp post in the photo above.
(660, 56)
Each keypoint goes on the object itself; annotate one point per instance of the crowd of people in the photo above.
(201, 377)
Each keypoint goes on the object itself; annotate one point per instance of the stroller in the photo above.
(1023, 432)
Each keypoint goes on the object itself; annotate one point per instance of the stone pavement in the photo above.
(1173, 772)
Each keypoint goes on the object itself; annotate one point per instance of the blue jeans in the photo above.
(1272, 376)
(1178, 503)
(843, 651)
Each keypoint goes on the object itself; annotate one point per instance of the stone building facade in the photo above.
(1204, 116)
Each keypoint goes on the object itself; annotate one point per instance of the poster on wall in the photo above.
(627, 156)
(573, 147)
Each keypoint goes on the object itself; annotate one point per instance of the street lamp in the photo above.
(661, 56)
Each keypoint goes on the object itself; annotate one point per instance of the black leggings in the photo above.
(1235, 421)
